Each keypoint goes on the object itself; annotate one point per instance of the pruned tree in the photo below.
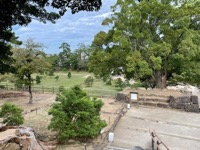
(153, 41)
(75, 115)
(29, 60)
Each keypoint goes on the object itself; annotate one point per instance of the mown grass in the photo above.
(99, 88)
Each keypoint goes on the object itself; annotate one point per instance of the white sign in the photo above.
(134, 96)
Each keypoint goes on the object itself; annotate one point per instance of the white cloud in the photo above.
(105, 15)
(73, 29)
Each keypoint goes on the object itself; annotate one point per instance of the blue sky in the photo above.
(73, 29)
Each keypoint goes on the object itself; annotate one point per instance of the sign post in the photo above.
(134, 97)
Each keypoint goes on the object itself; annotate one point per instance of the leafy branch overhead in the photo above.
(22, 12)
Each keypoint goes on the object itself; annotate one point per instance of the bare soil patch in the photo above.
(36, 114)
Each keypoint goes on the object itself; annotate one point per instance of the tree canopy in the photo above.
(152, 40)
(22, 12)
(29, 60)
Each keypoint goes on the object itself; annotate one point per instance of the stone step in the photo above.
(154, 99)
(155, 104)
(153, 95)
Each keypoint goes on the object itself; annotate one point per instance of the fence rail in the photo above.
(54, 90)
(157, 144)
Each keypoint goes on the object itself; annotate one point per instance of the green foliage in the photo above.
(38, 79)
(56, 77)
(119, 83)
(29, 60)
(22, 12)
(51, 73)
(69, 75)
(75, 115)
(152, 45)
(11, 114)
(89, 81)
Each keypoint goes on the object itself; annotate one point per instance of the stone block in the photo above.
(173, 105)
(163, 105)
(192, 108)
(194, 99)
(121, 96)
(185, 99)
(172, 99)
(180, 106)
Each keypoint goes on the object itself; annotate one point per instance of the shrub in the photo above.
(11, 114)
(51, 73)
(38, 79)
(75, 115)
(69, 75)
(56, 77)
(119, 83)
(89, 81)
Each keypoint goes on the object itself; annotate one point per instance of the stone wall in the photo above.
(187, 103)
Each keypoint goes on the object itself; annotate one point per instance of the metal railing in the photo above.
(157, 144)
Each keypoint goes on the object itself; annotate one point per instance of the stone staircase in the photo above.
(152, 97)
(154, 100)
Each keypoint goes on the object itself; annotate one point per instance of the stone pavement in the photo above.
(177, 129)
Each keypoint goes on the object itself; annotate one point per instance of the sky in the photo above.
(73, 29)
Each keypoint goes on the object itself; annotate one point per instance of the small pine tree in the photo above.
(119, 83)
(69, 75)
(56, 77)
(76, 115)
(12, 115)
(89, 81)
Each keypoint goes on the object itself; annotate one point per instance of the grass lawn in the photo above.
(49, 83)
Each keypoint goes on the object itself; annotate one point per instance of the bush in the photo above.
(2, 87)
(12, 115)
(56, 77)
(69, 75)
(89, 81)
(51, 73)
(38, 79)
(75, 115)
(119, 83)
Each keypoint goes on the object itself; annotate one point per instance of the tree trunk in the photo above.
(161, 79)
(30, 95)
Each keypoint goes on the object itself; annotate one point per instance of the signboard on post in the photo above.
(134, 97)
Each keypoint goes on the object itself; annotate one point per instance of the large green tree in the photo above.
(151, 40)
(75, 115)
(22, 12)
(29, 60)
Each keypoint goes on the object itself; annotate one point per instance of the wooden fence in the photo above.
(54, 90)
